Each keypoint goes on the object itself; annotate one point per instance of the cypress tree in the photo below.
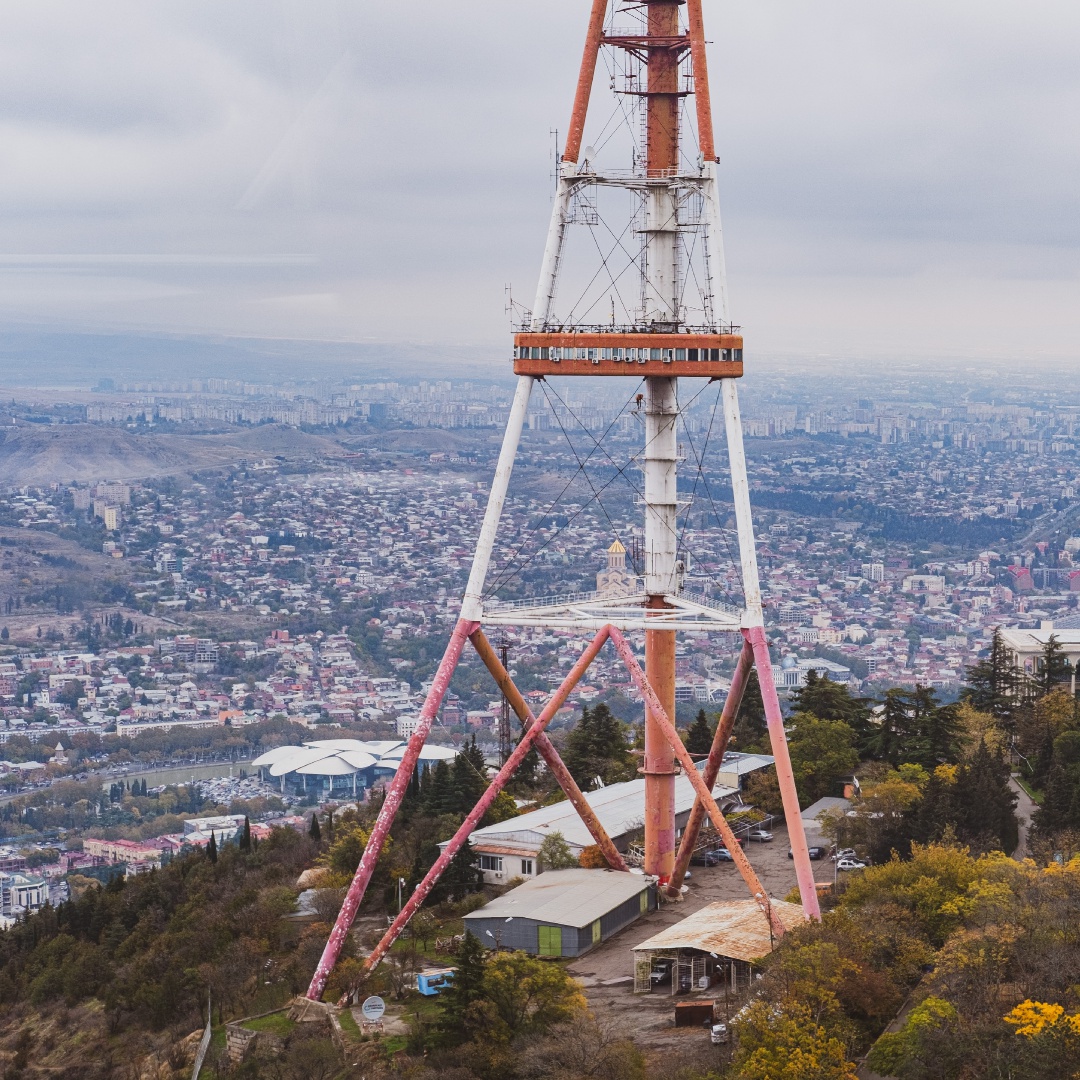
(211, 848)
(466, 988)
(468, 778)
(700, 736)
(751, 731)
(245, 836)
(1056, 810)
(440, 798)
(314, 831)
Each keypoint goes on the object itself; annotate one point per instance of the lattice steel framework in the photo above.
(664, 337)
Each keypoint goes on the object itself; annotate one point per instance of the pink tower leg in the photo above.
(394, 794)
(804, 872)
(421, 892)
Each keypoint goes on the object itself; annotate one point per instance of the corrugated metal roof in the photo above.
(620, 808)
(564, 897)
(734, 928)
(484, 848)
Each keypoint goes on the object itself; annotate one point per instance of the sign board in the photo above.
(373, 1008)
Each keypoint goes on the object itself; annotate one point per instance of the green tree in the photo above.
(700, 735)
(1054, 668)
(915, 727)
(822, 753)
(993, 683)
(523, 994)
(786, 1044)
(439, 795)
(985, 804)
(456, 1000)
(751, 731)
(313, 829)
(211, 848)
(468, 779)
(245, 836)
(828, 700)
(555, 853)
(596, 747)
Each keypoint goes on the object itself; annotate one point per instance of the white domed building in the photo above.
(338, 768)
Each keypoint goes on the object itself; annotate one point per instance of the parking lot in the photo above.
(606, 972)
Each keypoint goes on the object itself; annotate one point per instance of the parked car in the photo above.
(844, 853)
(704, 858)
(718, 1034)
(814, 853)
(850, 864)
(723, 854)
(761, 835)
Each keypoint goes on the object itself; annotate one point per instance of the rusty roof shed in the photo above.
(737, 929)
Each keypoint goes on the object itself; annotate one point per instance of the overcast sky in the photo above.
(896, 178)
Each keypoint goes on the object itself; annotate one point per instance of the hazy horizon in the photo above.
(895, 182)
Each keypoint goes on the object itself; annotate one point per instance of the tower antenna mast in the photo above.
(660, 344)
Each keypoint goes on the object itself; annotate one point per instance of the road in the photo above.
(1025, 810)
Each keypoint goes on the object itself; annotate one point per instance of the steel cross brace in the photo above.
(547, 749)
(533, 735)
(392, 801)
(712, 766)
(757, 890)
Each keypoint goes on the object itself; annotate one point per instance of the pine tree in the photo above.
(985, 804)
(314, 831)
(700, 736)
(463, 875)
(828, 700)
(1053, 666)
(596, 747)
(211, 848)
(751, 731)
(245, 835)
(915, 728)
(468, 778)
(467, 987)
(1057, 805)
(993, 684)
(526, 776)
(580, 751)
(440, 797)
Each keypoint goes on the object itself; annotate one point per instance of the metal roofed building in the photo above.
(1026, 647)
(815, 815)
(509, 849)
(328, 768)
(563, 912)
(719, 944)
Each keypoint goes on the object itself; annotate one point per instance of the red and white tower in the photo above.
(676, 326)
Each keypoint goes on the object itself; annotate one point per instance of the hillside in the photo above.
(38, 455)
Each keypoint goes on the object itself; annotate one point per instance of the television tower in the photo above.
(676, 328)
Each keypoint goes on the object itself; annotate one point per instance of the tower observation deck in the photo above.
(652, 305)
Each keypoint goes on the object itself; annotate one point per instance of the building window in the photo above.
(526, 867)
(491, 862)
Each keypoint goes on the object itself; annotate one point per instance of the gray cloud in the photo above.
(884, 167)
